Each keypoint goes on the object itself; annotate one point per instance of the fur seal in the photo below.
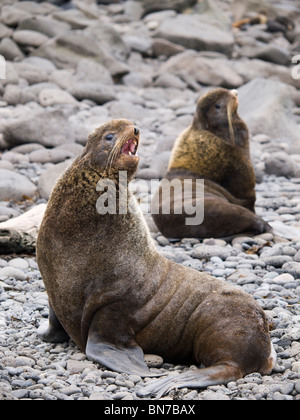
(214, 148)
(116, 297)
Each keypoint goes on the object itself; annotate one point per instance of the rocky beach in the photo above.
(70, 66)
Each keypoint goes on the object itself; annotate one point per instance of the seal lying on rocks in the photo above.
(117, 297)
(214, 148)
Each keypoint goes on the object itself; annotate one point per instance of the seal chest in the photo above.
(116, 297)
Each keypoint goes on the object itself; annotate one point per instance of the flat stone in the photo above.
(14, 186)
(5, 32)
(96, 92)
(292, 268)
(277, 261)
(19, 263)
(209, 251)
(44, 25)
(76, 366)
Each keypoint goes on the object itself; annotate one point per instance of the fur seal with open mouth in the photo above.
(117, 297)
(214, 148)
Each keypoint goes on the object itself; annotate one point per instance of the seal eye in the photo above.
(218, 106)
(109, 137)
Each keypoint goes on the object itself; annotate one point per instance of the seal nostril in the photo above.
(136, 131)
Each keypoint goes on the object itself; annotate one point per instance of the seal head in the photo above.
(113, 147)
(217, 112)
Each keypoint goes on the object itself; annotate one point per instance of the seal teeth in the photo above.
(130, 147)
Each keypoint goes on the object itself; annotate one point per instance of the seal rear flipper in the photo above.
(117, 358)
(199, 378)
(53, 331)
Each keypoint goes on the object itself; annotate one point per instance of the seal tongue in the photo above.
(130, 148)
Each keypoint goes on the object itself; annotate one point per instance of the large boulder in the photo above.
(267, 107)
(49, 178)
(150, 6)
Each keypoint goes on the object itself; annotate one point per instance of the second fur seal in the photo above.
(214, 148)
(117, 297)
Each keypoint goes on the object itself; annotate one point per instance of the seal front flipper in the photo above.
(119, 352)
(53, 331)
(119, 359)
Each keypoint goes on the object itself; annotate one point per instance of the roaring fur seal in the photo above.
(214, 148)
(117, 297)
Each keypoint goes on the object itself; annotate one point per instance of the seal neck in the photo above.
(238, 136)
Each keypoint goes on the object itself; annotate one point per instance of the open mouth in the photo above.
(130, 148)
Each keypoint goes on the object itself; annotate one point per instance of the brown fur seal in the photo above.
(116, 297)
(214, 148)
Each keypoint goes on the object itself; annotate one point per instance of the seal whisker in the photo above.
(112, 156)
